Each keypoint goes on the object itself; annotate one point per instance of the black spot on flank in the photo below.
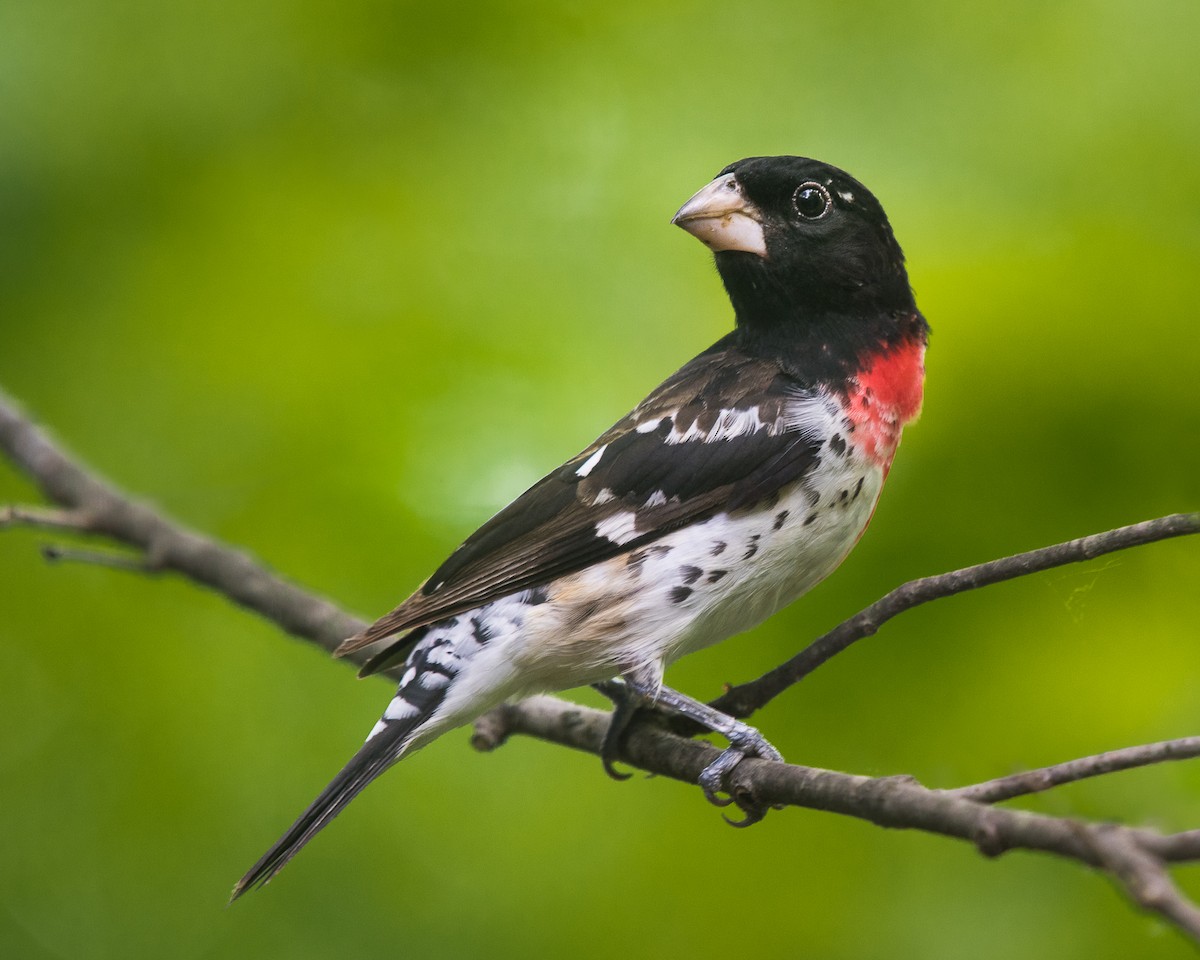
(679, 594)
(718, 548)
(809, 519)
(812, 497)
(837, 444)
(858, 488)
(716, 575)
(752, 547)
(480, 631)
(636, 558)
(780, 519)
(843, 496)
(690, 574)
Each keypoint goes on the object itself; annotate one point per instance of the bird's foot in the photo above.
(744, 741)
(638, 693)
(626, 704)
(640, 690)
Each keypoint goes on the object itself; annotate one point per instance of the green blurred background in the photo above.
(336, 281)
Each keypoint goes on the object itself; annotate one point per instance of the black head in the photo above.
(799, 242)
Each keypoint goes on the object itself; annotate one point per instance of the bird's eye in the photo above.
(812, 201)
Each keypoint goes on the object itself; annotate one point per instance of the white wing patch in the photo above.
(590, 463)
(731, 422)
(649, 426)
(619, 528)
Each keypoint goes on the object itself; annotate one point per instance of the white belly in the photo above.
(792, 558)
(698, 585)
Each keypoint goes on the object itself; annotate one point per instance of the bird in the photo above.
(733, 488)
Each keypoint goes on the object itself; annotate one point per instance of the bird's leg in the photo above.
(744, 740)
(626, 704)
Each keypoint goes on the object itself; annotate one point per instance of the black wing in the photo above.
(720, 434)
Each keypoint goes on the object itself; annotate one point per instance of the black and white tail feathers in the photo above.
(416, 714)
(383, 749)
(432, 667)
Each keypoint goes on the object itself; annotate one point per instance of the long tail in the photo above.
(414, 716)
(383, 749)
(432, 665)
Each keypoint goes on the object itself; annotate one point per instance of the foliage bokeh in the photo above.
(335, 282)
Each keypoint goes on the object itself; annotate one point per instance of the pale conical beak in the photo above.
(722, 218)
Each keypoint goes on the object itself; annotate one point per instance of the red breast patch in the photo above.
(885, 396)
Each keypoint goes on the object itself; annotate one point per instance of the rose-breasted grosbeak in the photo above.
(733, 488)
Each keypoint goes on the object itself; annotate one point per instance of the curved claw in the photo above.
(612, 771)
(750, 819)
(715, 799)
(753, 813)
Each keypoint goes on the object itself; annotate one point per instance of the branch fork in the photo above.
(1136, 858)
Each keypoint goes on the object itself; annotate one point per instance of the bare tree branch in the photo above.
(1034, 781)
(93, 506)
(1135, 857)
(1142, 874)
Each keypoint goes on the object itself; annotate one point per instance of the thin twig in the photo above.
(16, 515)
(744, 699)
(135, 563)
(1174, 847)
(1033, 781)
